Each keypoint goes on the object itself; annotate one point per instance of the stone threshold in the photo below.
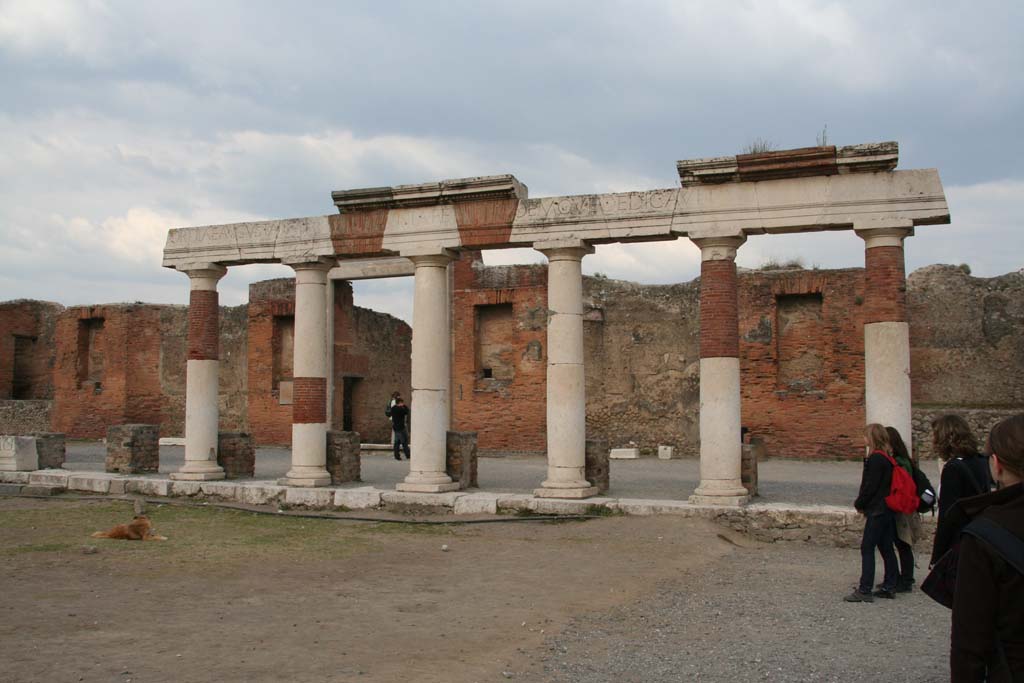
(825, 524)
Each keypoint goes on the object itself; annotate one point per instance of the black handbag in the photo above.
(940, 584)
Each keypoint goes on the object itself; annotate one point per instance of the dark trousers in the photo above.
(879, 532)
(401, 439)
(906, 553)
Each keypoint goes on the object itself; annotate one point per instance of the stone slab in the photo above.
(477, 504)
(406, 487)
(186, 488)
(570, 494)
(362, 498)
(149, 487)
(10, 489)
(18, 454)
(442, 499)
(514, 502)
(15, 477)
(310, 497)
(172, 441)
(93, 482)
(260, 494)
(560, 506)
(624, 454)
(639, 506)
(666, 452)
(49, 478)
(220, 489)
(41, 490)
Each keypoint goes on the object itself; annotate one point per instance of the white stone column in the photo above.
(202, 371)
(431, 377)
(309, 407)
(720, 400)
(887, 390)
(566, 385)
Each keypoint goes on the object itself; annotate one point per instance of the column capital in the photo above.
(563, 250)
(718, 247)
(204, 276)
(884, 234)
(438, 260)
(320, 263)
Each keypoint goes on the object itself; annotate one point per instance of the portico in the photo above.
(422, 228)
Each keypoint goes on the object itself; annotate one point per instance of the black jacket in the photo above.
(875, 483)
(989, 600)
(961, 478)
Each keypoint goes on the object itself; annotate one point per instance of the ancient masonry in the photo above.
(783, 354)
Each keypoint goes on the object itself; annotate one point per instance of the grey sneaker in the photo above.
(858, 596)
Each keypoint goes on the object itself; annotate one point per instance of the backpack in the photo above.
(903, 492)
(925, 491)
(940, 584)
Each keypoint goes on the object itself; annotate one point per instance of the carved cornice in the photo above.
(430, 194)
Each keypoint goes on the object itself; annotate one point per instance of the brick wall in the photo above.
(26, 343)
(507, 410)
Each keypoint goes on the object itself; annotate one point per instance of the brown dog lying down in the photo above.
(140, 529)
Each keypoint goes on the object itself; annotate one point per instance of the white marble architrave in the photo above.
(309, 439)
(202, 411)
(431, 377)
(566, 384)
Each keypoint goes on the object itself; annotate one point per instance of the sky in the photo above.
(121, 120)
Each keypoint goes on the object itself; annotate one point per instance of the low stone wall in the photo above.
(981, 421)
(25, 417)
(343, 456)
(236, 453)
(133, 448)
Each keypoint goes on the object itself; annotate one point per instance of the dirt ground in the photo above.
(235, 596)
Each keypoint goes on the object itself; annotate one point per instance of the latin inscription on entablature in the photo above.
(622, 216)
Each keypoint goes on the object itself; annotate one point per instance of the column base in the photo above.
(197, 476)
(427, 488)
(573, 493)
(720, 492)
(306, 477)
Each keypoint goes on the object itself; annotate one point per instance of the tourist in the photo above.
(879, 522)
(987, 641)
(387, 411)
(908, 526)
(399, 426)
(965, 473)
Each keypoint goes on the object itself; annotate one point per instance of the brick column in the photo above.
(431, 377)
(201, 376)
(566, 396)
(886, 331)
(720, 446)
(309, 390)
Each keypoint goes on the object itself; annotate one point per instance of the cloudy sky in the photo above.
(119, 120)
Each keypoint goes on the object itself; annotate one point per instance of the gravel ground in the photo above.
(788, 481)
(764, 613)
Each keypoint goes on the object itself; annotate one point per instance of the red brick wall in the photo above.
(508, 415)
(802, 372)
(718, 314)
(33, 322)
(269, 421)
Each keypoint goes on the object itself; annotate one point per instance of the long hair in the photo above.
(899, 448)
(877, 437)
(952, 436)
(1006, 440)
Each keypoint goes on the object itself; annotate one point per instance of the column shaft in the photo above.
(202, 371)
(431, 377)
(566, 384)
(309, 407)
(720, 402)
(887, 390)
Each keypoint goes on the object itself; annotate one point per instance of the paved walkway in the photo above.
(781, 481)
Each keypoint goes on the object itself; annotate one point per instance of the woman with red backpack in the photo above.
(879, 522)
(908, 525)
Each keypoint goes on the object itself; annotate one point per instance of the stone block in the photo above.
(477, 504)
(596, 469)
(37, 490)
(236, 454)
(149, 487)
(514, 502)
(624, 454)
(666, 452)
(643, 507)
(94, 482)
(49, 478)
(260, 494)
(563, 506)
(461, 458)
(118, 487)
(361, 498)
(220, 489)
(10, 489)
(185, 488)
(343, 460)
(18, 453)
(750, 454)
(15, 477)
(446, 500)
(133, 448)
(51, 449)
(309, 497)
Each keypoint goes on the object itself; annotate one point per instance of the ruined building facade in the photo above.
(78, 370)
